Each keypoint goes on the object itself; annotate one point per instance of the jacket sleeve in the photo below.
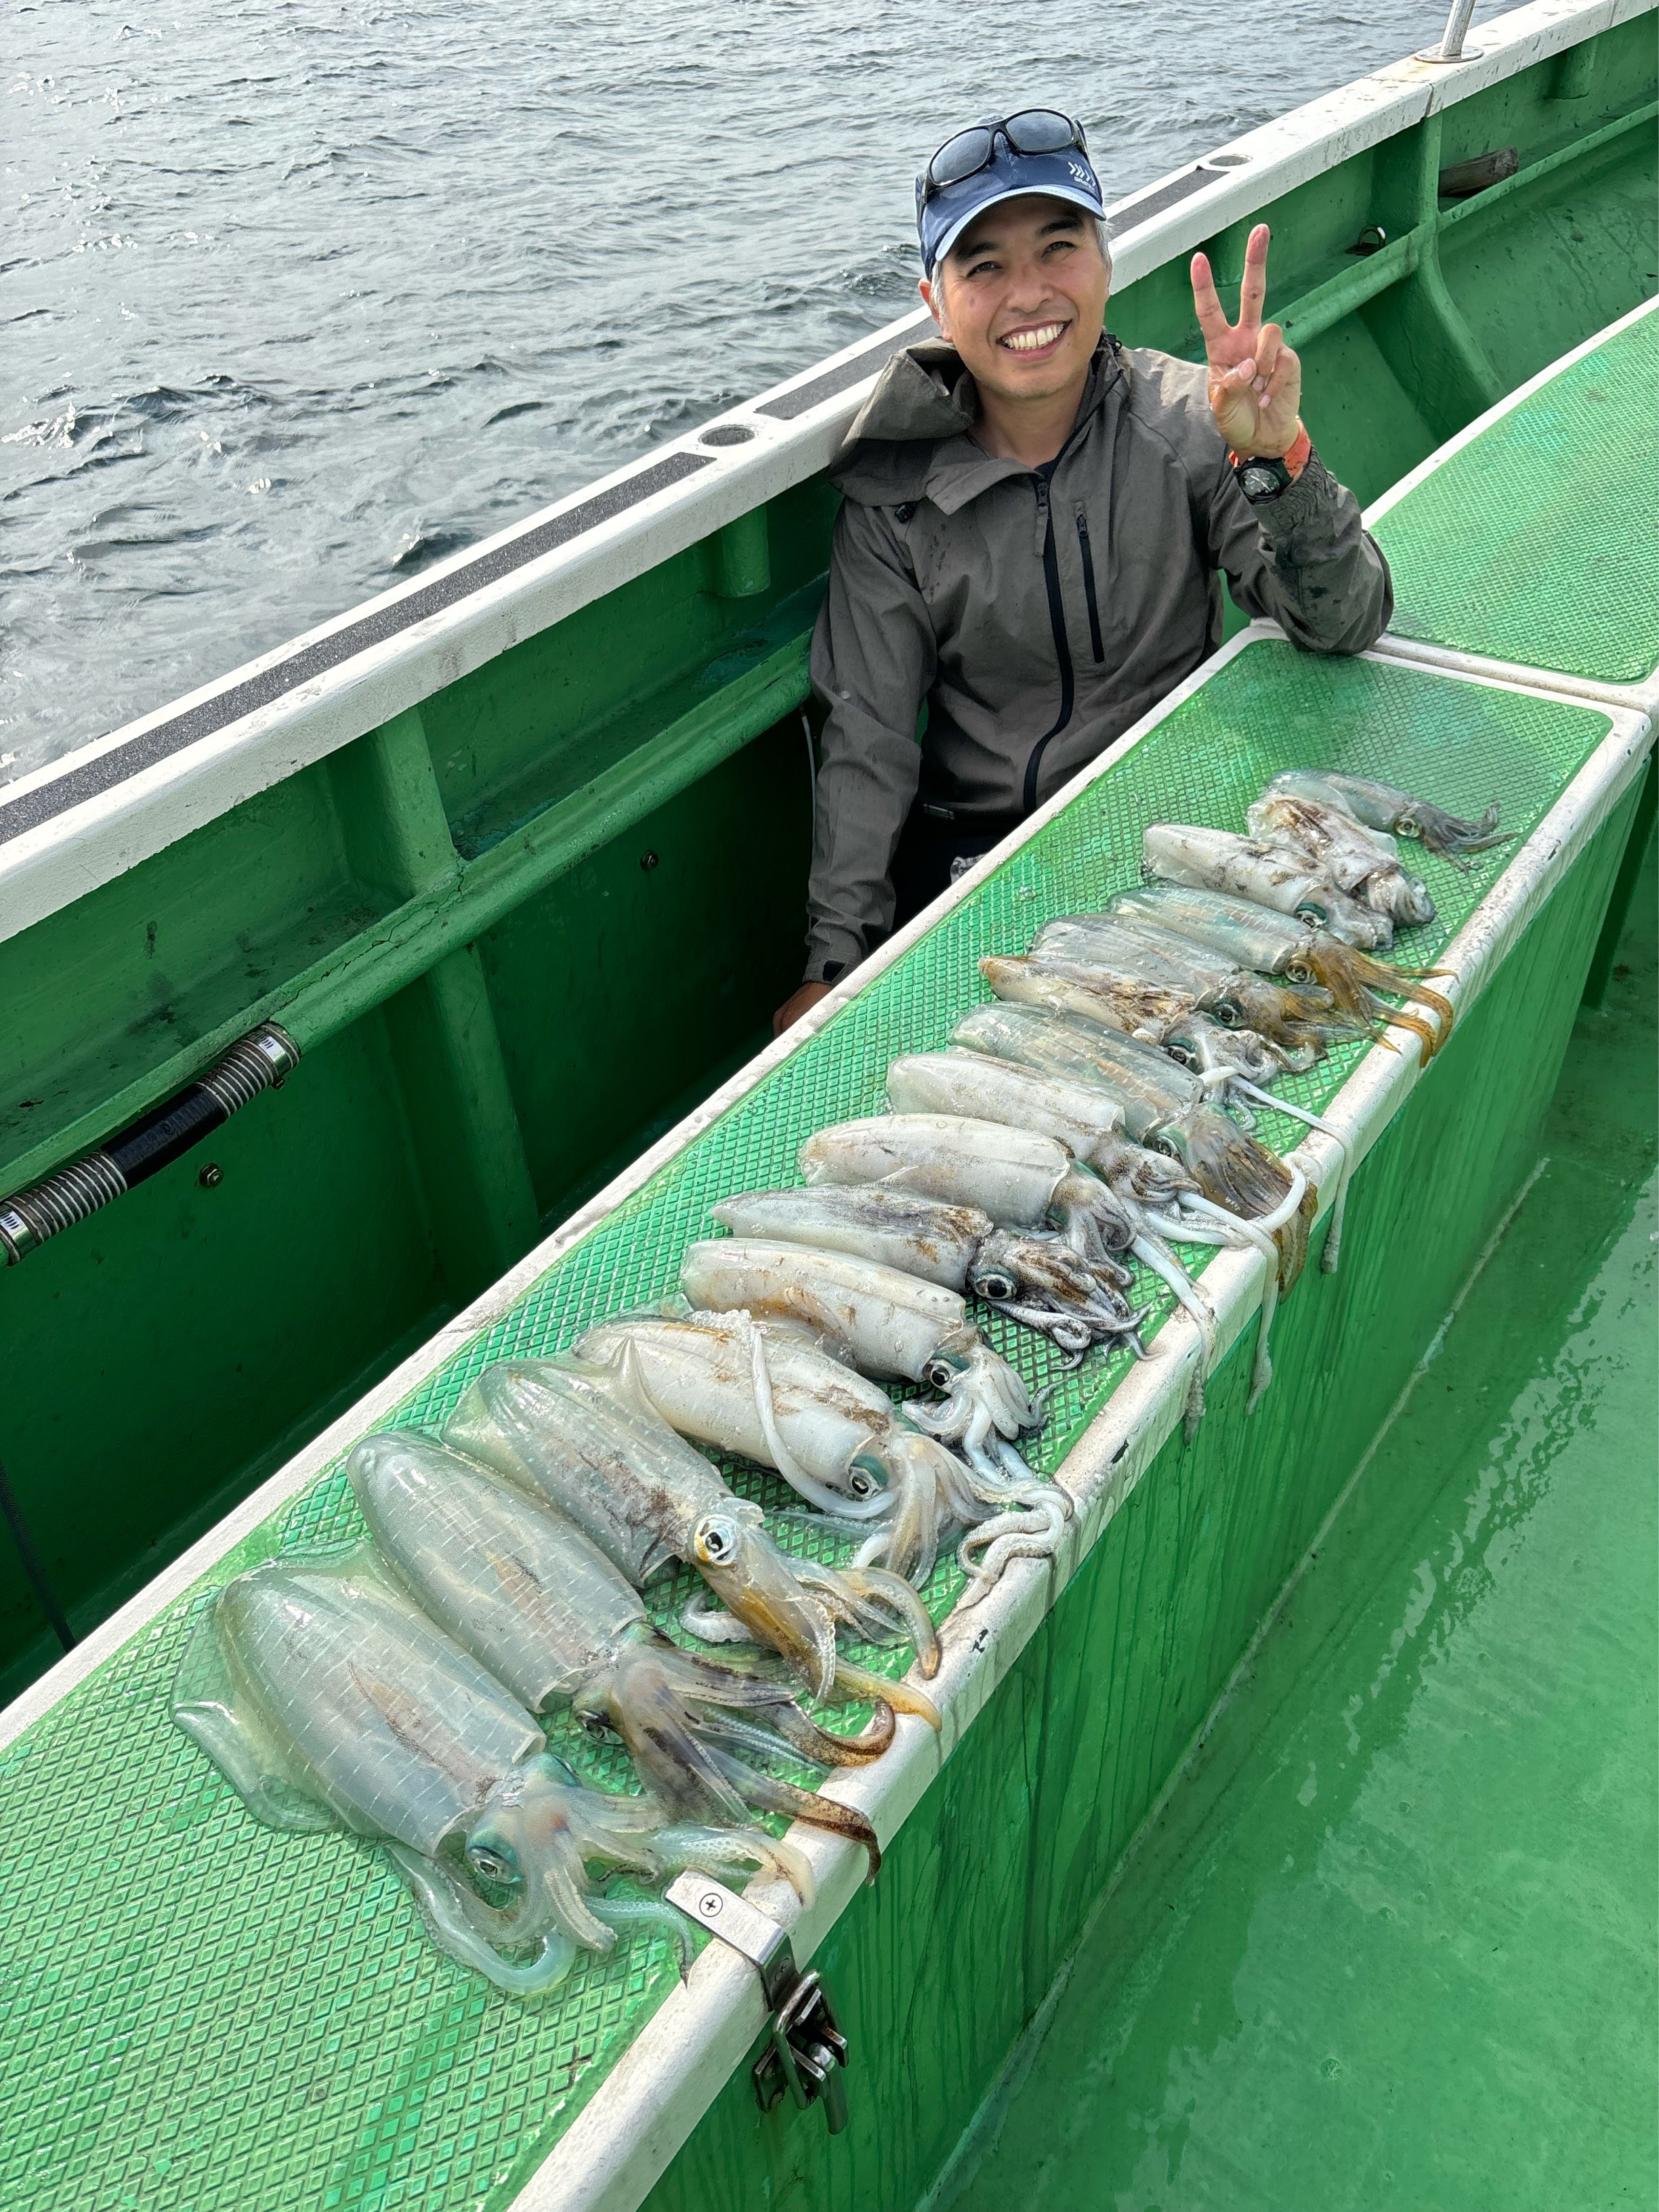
(1302, 560)
(873, 661)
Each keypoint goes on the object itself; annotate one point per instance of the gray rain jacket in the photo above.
(1037, 619)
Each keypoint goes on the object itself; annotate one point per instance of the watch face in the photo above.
(1258, 482)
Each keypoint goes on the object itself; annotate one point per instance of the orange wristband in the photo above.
(1295, 456)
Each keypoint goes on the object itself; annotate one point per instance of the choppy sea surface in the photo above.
(300, 296)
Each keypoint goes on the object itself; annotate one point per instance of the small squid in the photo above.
(1239, 1020)
(522, 1590)
(1273, 875)
(1033, 1277)
(329, 1701)
(1286, 944)
(1364, 863)
(587, 1441)
(1384, 806)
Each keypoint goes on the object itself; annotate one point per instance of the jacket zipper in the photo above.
(1089, 585)
(1062, 648)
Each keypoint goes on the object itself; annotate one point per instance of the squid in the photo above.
(1364, 863)
(1076, 1081)
(760, 1388)
(1033, 1277)
(522, 1590)
(586, 1440)
(1285, 944)
(889, 1325)
(1271, 875)
(1155, 1197)
(1252, 1194)
(328, 1700)
(1384, 806)
(1240, 1021)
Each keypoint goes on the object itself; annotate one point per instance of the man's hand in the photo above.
(1256, 381)
(792, 1009)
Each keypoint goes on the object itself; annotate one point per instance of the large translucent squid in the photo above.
(587, 1439)
(1032, 1275)
(522, 1590)
(891, 1324)
(328, 1700)
(762, 1388)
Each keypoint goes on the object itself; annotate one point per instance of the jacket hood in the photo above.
(923, 397)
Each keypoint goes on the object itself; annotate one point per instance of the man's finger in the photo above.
(1269, 345)
(1207, 303)
(1254, 290)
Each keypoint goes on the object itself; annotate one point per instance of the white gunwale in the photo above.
(48, 868)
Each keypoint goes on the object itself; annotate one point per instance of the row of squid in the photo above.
(1097, 1111)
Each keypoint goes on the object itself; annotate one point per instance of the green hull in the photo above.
(227, 2017)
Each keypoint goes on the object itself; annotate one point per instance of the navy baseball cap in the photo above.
(1037, 150)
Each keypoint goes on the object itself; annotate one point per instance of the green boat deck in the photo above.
(1562, 586)
(1392, 1940)
(201, 2015)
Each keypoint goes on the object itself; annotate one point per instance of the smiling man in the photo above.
(1034, 524)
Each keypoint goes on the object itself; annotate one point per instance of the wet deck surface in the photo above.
(1393, 1940)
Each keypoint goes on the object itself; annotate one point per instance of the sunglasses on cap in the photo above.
(1033, 130)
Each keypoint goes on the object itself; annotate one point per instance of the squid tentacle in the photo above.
(1339, 1205)
(443, 1905)
(689, 1845)
(619, 1914)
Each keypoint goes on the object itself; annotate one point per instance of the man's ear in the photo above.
(933, 294)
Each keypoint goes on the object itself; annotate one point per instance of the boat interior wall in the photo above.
(524, 877)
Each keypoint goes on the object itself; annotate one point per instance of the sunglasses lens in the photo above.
(960, 156)
(1041, 131)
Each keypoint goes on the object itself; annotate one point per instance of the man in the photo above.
(1036, 520)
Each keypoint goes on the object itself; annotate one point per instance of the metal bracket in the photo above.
(806, 2055)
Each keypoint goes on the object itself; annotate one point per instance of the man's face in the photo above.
(1024, 297)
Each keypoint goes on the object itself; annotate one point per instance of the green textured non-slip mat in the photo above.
(198, 2014)
(1538, 541)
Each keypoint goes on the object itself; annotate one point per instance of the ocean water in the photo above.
(300, 296)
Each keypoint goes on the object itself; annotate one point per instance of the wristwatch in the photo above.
(1264, 476)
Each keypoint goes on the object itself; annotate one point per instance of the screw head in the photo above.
(211, 1175)
(709, 1906)
(647, 861)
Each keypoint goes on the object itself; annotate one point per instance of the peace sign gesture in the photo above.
(1256, 381)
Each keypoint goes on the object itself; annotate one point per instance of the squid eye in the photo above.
(1314, 912)
(1299, 973)
(1167, 1145)
(1228, 1012)
(491, 1863)
(1180, 1048)
(995, 1284)
(716, 1540)
(866, 1476)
